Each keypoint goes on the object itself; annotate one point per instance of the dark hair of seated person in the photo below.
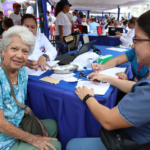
(80, 14)
(133, 20)
(8, 22)
(109, 23)
(1, 12)
(26, 16)
(143, 22)
(59, 8)
(125, 22)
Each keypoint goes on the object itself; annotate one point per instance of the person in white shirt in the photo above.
(16, 16)
(44, 50)
(127, 39)
(30, 9)
(63, 25)
(70, 17)
(74, 16)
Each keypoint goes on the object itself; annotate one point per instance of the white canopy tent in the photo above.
(100, 5)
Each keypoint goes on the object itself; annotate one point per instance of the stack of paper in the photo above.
(62, 76)
(117, 49)
(99, 89)
(39, 71)
(112, 71)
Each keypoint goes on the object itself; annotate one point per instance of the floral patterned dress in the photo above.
(12, 112)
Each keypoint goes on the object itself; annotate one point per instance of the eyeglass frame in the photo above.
(134, 39)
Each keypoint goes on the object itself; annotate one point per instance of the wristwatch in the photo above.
(86, 97)
(46, 56)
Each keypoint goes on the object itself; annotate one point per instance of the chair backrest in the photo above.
(86, 39)
(59, 44)
(99, 30)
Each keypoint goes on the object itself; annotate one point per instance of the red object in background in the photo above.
(52, 32)
(99, 30)
(80, 27)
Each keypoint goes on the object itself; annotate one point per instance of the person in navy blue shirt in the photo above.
(132, 112)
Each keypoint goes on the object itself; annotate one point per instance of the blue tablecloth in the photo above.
(60, 102)
(102, 40)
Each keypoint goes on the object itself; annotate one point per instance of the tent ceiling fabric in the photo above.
(100, 5)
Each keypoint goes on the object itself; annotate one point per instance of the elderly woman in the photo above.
(132, 112)
(18, 42)
(44, 50)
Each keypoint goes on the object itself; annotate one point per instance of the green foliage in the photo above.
(3, 1)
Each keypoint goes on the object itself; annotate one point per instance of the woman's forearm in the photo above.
(115, 61)
(13, 131)
(123, 85)
(61, 31)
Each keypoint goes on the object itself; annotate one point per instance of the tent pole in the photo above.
(128, 16)
(102, 15)
(118, 12)
(45, 17)
(88, 14)
(109, 14)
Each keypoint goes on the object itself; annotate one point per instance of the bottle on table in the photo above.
(79, 45)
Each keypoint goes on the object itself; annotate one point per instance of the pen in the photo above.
(32, 61)
(99, 63)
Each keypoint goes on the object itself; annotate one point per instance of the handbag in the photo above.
(68, 39)
(29, 122)
(119, 140)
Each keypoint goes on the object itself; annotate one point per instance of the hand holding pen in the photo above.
(97, 67)
(32, 64)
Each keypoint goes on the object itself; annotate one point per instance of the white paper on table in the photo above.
(72, 79)
(34, 72)
(52, 63)
(39, 71)
(112, 71)
(99, 89)
(62, 76)
(117, 49)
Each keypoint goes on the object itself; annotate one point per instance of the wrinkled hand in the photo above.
(32, 65)
(42, 143)
(122, 75)
(42, 62)
(97, 68)
(82, 92)
(45, 133)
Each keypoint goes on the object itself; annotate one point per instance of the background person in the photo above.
(30, 9)
(79, 19)
(16, 16)
(132, 112)
(74, 16)
(18, 42)
(7, 23)
(127, 39)
(1, 21)
(44, 50)
(63, 25)
(93, 25)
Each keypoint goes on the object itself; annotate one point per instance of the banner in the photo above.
(8, 6)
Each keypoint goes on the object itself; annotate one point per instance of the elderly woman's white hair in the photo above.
(25, 34)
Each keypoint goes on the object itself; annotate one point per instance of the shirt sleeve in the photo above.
(130, 54)
(50, 49)
(60, 20)
(134, 107)
(26, 80)
(1, 98)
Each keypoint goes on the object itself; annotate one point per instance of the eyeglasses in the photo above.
(136, 40)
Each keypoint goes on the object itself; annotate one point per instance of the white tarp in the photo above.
(100, 5)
